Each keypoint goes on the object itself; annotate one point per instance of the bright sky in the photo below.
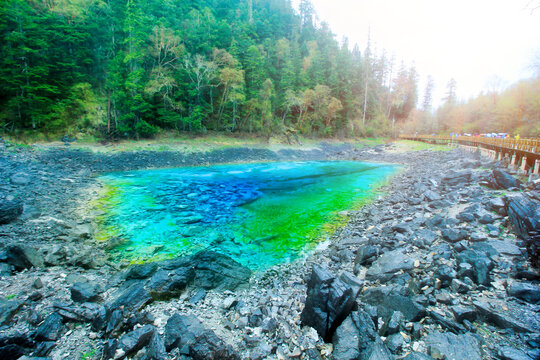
(480, 43)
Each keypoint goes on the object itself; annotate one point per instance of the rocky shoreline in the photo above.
(437, 267)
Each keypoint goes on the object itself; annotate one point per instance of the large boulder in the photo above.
(481, 264)
(451, 346)
(187, 333)
(524, 291)
(502, 180)
(10, 210)
(51, 329)
(329, 301)
(454, 178)
(135, 340)
(356, 338)
(218, 271)
(524, 214)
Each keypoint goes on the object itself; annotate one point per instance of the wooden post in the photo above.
(514, 160)
(524, 163)
(536, 166)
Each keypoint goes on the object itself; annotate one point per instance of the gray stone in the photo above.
(500, 320)
(141, 271)
(453, 235)
(329, 301)
(51, 329)
(417, 356)
(388, 299)
(432, 196)
(166, 284)
(135, 340)
(451, 346)
(10, 210)
(505, 247)
(395, 343)
(356, 338)
(8, 308)
(510, 353)
(385, 267)
(218, 271)
(525, 291)
(480, 263)
(23, 257)
(85, 292)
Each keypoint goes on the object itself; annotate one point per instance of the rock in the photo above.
(481, 265)
(366, 255)
(417, 356)
(385, 267)
(51, 329)
(446, 323)
(141, 271)
(393, 324)
(402, 228)
(525, 291)
(135, 340)
(500, 320)
(168, 284)
(427, 236)
(503, 180)
(8, 308)
(524, 214)
(453, 235)
(496, 203)
(395, 343)
(329, 301)
(44, 348)
(88, 312)
(460, 287)
(10, 210)
(156, 348)
(23, 257)
(451, 346)
(218, 271)
(505, 247)
(455, 178)
(131, 299)
(84, 292)
(388, 299)
(356, 338)
(188, 334)
(20, 179)
(510, 353)
(14, 346)
(432, 196)
(198, 297)
(446, 274)
(355, 283)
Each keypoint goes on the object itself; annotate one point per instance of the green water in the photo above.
(259, 214)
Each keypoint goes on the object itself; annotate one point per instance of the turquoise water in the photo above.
(259, 214)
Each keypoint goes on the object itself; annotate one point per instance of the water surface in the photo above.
(259, 214)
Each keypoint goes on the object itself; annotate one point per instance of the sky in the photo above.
(482, 44)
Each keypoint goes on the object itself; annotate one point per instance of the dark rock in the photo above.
(366, 255)
(393, 324)
(402, 228)
(44, 348)
(132, 299)
(451, 346)
(524, 214)
(394, 298)
(14, 346)
(8, 309)
(329, 301)
(51, 329)
(156, 348)
(434, 221)
(445, 274)
(453, 235)
(23, 257)
(84, 292)
(395, 343)
(109, 348)
(504, 247)
(457, 178)
(188, 334)
(510, 353)
(10, 210)
(141, 271)
(11, 351)
(481, 264)
(114, 321)
(355, 283)
(385, 267)
(525, 291)
(417, 356)
(466, 217)
(446, 323)
(427, 236)
(356, 338)
(88, 312)
(136, 339)
(198, 297)
(168, 284)
(218, 271)
(503, 180)
(460, 287)
(496, 204)
(500, 320)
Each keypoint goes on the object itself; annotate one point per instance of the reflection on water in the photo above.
(259, 214)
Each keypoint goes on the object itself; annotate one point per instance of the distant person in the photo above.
(517, 137)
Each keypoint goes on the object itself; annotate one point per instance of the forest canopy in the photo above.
(132, 68)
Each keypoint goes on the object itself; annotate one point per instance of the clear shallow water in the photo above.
(259, 214)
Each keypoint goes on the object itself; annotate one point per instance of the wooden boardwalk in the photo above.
(524, 153)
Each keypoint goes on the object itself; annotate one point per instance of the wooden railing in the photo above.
(525, 145)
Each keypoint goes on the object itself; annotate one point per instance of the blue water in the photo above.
(259, 214)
